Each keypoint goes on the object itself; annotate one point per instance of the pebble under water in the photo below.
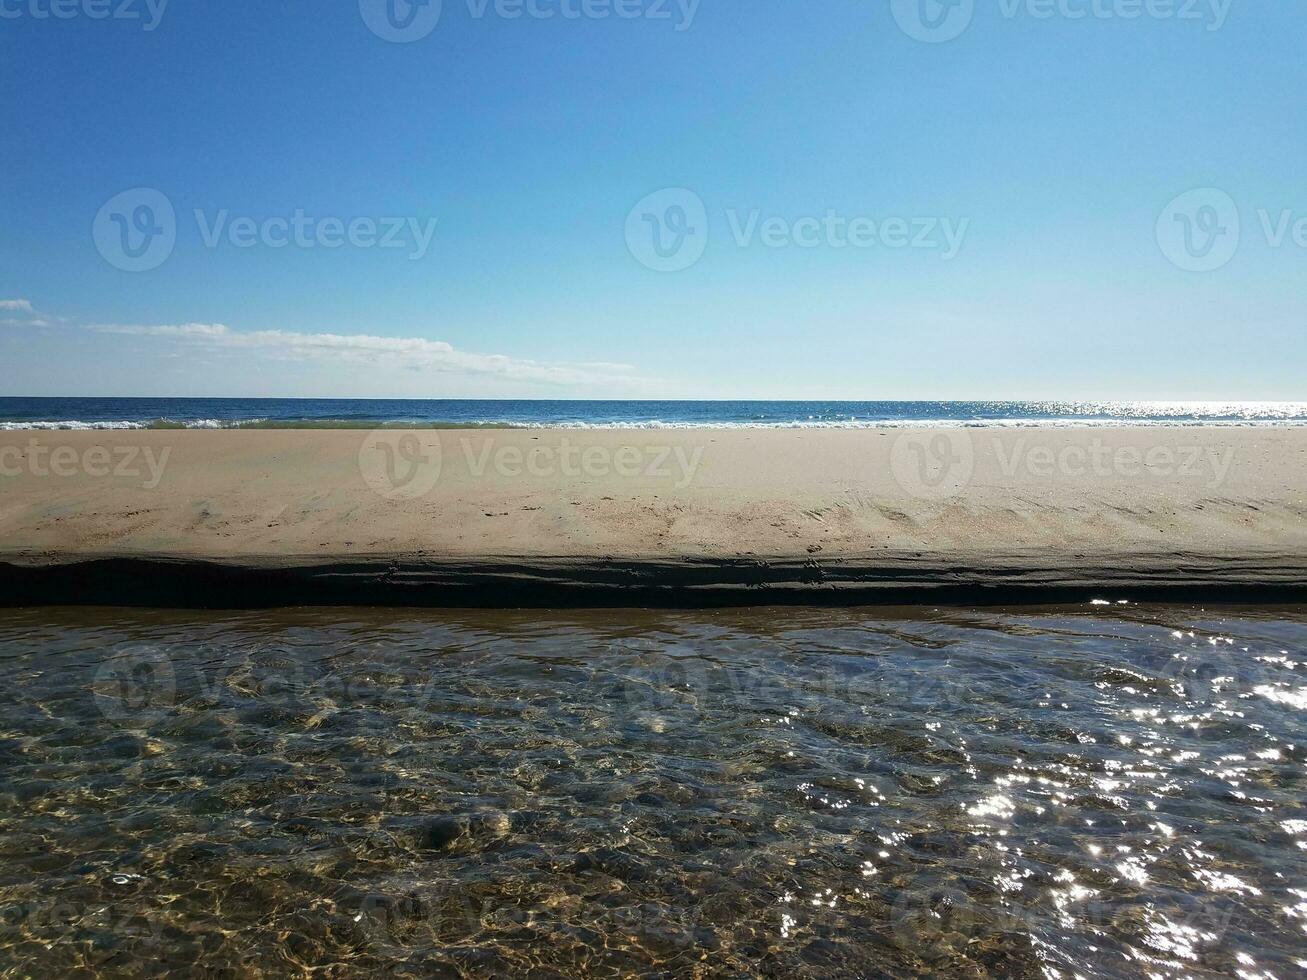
(1092, 792)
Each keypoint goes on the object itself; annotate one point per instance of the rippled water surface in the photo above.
(336, 413)
(1073, 793)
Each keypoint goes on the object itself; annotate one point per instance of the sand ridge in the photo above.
(1052, 502)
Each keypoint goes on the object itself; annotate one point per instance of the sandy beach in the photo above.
(481, 516)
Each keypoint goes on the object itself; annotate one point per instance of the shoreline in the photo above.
(659, 517)
(539, 583)
(852, 425)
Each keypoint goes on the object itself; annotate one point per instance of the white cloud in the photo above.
(415, 354)
(409, 355)
(27, 315)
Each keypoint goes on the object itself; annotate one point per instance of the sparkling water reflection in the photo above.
(1072, 793)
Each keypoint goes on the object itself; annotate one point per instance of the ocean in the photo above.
(283, 413)
(1085, 791)
(1075, 792)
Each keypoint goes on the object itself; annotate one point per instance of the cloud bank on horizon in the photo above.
(387, 355)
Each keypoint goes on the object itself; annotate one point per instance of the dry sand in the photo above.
(489, 516)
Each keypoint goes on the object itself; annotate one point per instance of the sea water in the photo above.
(1083, 792)
(129, 413)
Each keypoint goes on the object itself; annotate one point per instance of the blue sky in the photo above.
(1011, 190)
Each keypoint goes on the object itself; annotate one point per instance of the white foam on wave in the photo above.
(68, 426)
(74, 425)
(1055, 423)
(921, 423)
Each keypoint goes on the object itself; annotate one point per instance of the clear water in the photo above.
(1050, 793)
(339, 413)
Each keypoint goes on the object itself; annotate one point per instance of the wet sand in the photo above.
(477, 517)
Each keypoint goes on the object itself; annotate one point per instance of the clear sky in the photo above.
(845, 204)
